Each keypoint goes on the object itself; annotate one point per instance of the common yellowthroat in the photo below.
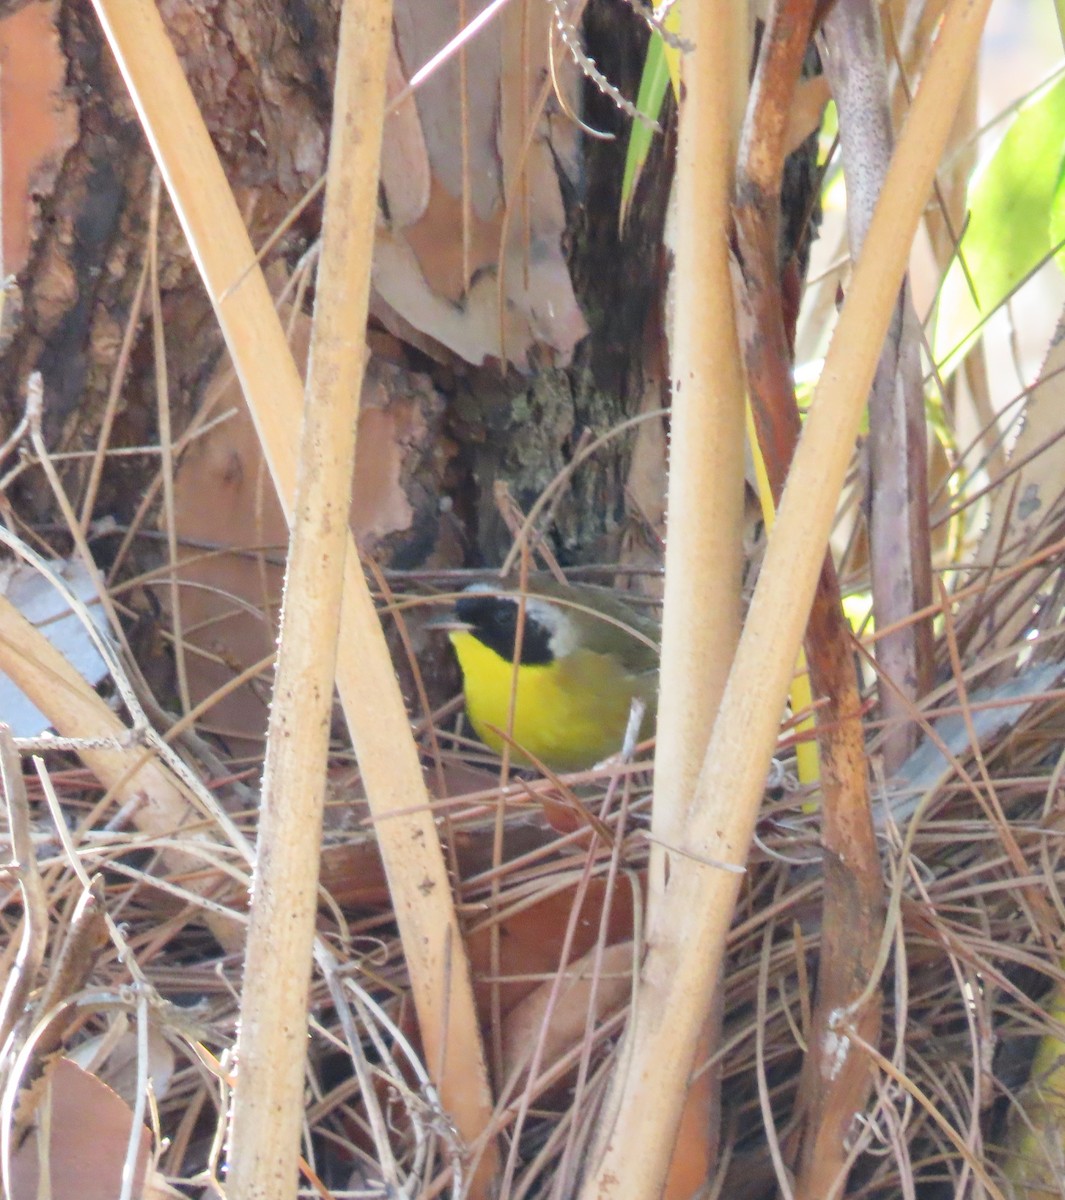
(584, 657)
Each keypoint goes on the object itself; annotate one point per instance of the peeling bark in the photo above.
(897, 454)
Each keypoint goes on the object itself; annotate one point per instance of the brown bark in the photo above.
(267, 114)
(262, 76)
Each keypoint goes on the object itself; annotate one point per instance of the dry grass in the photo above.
(968, 962)
(121, 923)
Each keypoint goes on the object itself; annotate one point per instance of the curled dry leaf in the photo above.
(532, 940)
(405, 173)
(88, 1138)
(437, 265)
(568, 1017)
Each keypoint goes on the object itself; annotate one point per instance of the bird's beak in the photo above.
(448, 623)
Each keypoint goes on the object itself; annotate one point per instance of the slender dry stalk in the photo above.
(688, 936)
(166, 442)
(118, 378)
(373, 705)
(22, 978)
(267, 1114)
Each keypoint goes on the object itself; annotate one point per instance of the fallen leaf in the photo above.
(524, 1024)
(88, 1139)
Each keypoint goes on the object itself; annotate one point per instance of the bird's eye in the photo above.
(494, 621)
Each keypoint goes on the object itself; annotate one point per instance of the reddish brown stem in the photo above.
(832, 1092)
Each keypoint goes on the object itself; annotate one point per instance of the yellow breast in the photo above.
(569, 714)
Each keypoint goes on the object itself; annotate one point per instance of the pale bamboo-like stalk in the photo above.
(704, 543)
(407, 836)
(687, 935)
(267, 1113)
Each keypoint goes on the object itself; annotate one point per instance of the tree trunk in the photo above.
(263, 78)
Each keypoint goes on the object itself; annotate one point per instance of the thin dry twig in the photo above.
(22, 977)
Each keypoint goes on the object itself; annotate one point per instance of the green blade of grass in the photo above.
(661, 67)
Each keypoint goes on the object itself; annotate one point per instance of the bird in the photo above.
(585, 656)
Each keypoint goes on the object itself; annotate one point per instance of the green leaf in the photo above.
(1057, 219)
(1009, 231)
(649, 101)
(661, 66)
